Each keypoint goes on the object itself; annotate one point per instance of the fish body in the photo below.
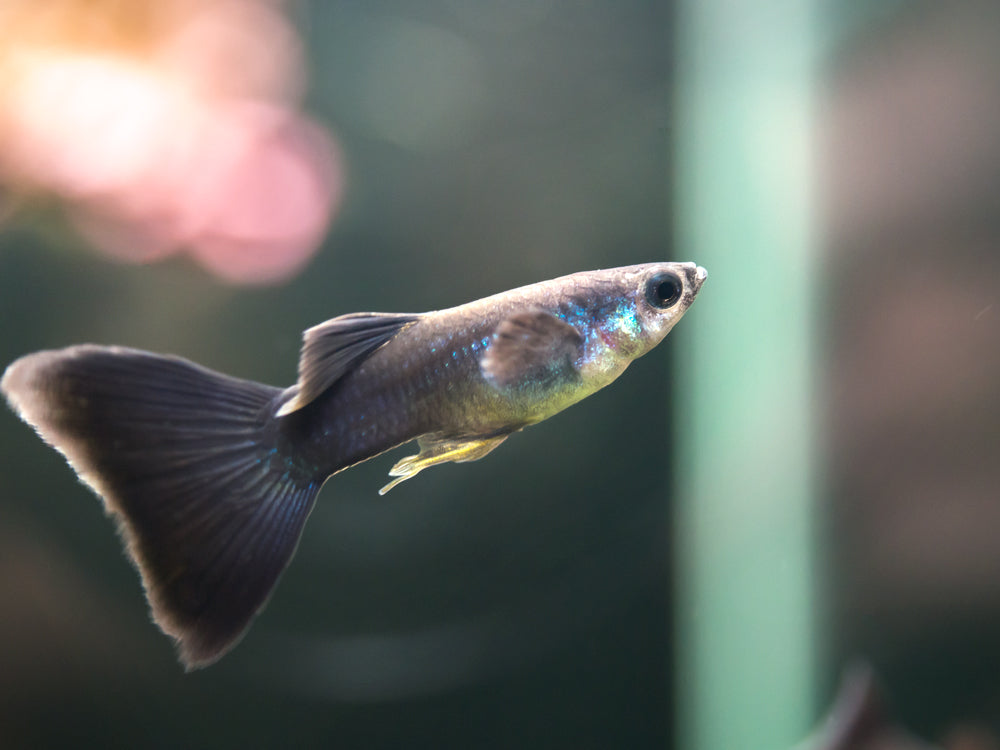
(211, 478)
(430, 381)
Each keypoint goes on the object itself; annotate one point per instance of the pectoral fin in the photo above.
(531, 347)
(438, 451)
(331, 349)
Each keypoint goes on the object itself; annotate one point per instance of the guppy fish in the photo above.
(211, 478)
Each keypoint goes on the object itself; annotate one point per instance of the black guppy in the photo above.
(211, 478)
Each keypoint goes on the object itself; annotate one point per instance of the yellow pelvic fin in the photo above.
(434, 452)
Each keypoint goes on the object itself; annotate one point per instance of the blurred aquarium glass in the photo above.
(805, 476)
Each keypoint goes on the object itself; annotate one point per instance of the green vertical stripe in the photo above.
(746, 589)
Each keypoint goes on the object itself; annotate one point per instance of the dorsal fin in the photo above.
(331, 349)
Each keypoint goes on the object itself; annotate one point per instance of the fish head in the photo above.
(634, 308)
(662, 293)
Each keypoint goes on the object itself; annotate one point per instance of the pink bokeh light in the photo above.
(196, 146)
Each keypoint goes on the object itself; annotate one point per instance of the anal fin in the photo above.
(434, 451)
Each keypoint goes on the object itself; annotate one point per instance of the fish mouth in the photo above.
(696, 276)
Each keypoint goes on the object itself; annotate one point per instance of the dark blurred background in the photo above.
(469, 148)
(210, 178)
(910, 150)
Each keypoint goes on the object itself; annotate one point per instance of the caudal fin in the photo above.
(209, 500)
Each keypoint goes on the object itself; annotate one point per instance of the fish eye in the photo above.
(664, 290)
